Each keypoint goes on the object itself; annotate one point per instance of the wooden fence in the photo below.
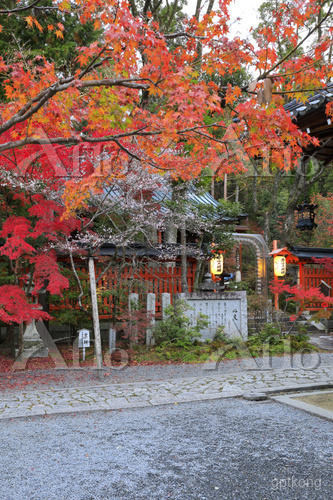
(157, 278)
(311, 277)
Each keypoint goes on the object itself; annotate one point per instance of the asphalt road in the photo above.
(222, 449)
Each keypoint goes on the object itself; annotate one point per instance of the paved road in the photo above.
(218, 449)
(211, 384)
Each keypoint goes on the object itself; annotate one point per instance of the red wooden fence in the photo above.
(148, 278)
(311, 276)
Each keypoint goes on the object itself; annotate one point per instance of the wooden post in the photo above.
(133, 302)
(151, 299)
(183, 256)
(165, 302)
(276, 296)
(94, 304)
(238, 276)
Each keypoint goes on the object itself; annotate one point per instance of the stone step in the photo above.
(326, 342)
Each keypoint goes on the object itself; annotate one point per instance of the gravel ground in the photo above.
(45, 379)
(222, 449)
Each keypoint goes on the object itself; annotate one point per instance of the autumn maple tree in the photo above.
(139, 91)
(304, 298)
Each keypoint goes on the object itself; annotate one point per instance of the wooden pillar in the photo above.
(225, 190)
(151, 307)
(276, 279)
(94, 304)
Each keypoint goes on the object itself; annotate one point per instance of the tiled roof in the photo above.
(299, 109)
(308, 253)
(311, 117)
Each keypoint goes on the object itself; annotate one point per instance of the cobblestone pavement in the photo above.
(210, 385)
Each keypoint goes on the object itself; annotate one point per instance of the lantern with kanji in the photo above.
(280, 265)
(216, 264)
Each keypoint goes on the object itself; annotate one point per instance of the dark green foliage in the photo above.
(272, 339)
(177, 327)
(220, 338)
(269, 332)
(16, 36)
(68, 312)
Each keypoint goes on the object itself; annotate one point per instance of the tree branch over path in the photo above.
(29, 109)
(70, 141)
(132, 84)
(33, 5)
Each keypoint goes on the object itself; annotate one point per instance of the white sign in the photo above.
(84, 339)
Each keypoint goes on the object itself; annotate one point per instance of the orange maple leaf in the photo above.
(30, 21)
(38, 25)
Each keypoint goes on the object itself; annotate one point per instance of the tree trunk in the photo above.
(271, 206)
(43, 300)
(294, 196)
(20, 339)
(198, 270)
(10, 337)
(254, 193)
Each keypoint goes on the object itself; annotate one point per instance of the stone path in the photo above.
(128, 395)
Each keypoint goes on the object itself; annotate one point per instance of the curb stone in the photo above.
(312, 409)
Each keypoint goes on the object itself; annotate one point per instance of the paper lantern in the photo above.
(280, 265)
(216, 265)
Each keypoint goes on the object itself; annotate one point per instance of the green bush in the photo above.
(221, 336)
(177, 328)
(269, 331)
(301, 335)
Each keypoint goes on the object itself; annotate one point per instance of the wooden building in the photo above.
(308, 272)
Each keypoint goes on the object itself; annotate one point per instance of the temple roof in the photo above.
(295, 254)
(311, 117)
(308, 253)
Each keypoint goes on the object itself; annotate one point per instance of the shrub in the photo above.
(301, 335)
(177, 327)
(133, 325)
(268, 331)
(221, 336)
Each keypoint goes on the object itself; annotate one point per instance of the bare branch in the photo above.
(71, 141)
(37, 102)
(103, 273)
(156, 7)
(183, 33)
(79, 299)
(21, 9)
(172, 15)
(132, 155)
